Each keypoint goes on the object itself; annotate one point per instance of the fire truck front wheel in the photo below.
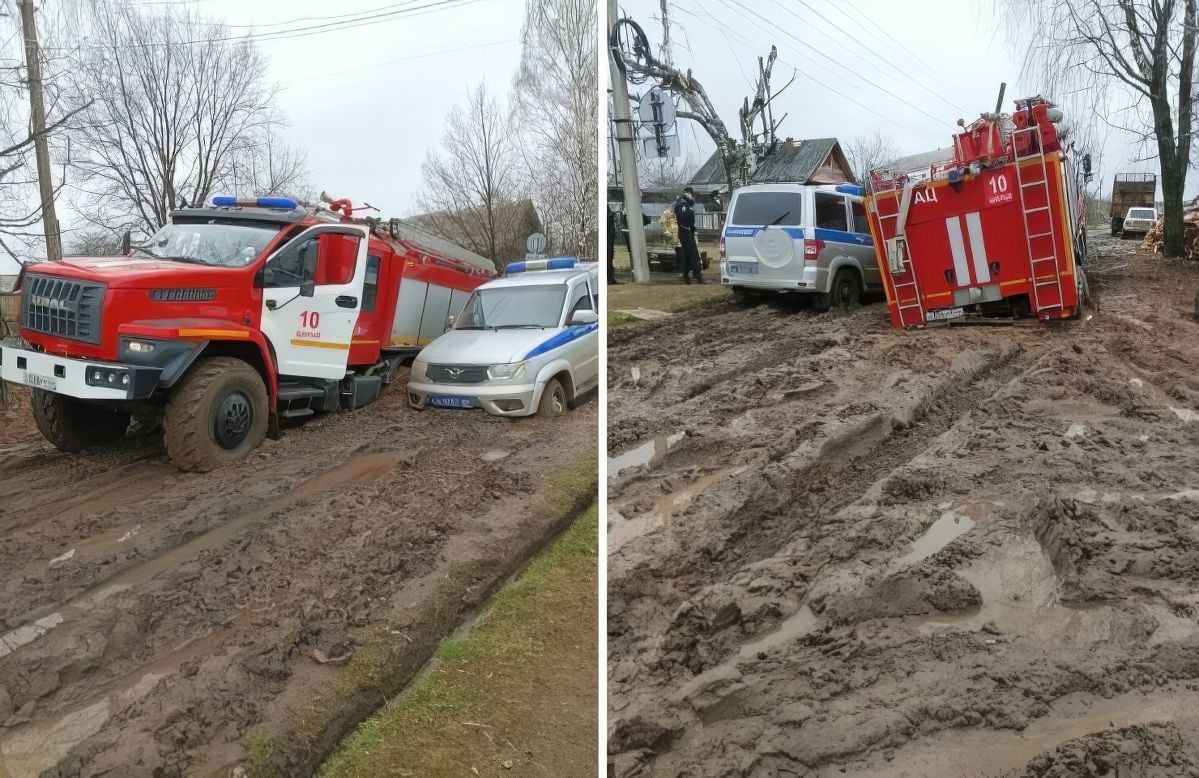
(73, 425)
(217, 414)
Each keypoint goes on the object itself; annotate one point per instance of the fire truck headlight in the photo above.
(107, 377)
(505, 371)
(420, 370)
(140, 346)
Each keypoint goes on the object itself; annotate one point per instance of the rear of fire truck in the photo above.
(995, 231)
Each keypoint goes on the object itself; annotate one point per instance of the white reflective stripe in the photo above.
(954, 225)
(978, 250)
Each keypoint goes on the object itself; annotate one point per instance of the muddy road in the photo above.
(153, 621)
(839, 549)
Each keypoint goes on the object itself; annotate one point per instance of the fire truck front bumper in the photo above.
(81, 378)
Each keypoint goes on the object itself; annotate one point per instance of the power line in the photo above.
(401, 59)
(300, 32)
(827, 87)
(931, 70)
(890, 73)
(847, 69)
(298, 19)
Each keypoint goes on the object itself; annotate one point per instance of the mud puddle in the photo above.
(643, 455)
(948, 528)
(1021, 595)
(621, 529)
(978, 752)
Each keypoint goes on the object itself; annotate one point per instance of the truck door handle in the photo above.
(346, 301)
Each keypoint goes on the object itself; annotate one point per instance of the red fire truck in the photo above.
(232, 316)
(994, 229)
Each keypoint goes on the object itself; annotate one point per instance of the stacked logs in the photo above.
(1190, 235)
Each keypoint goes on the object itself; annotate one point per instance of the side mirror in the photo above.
(449, 321)
(308, 288)
(126, 243)
(583, 317)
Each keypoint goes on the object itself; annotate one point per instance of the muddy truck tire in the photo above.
(73, 425)
(217, 414)
(553, 400)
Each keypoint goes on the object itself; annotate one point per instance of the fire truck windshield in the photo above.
(513, 307)
(221, 245)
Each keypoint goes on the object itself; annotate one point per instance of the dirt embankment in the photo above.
(152, 620)
(846, 549)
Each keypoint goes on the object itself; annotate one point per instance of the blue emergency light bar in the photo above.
(850, 189)
(558, 263)
(285, 203)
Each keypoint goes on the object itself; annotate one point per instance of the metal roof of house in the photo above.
(790, 162)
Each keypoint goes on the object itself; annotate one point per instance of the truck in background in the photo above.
(232, 316)
(1131, 190)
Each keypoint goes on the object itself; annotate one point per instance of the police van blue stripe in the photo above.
(562, 338)
(797, 233)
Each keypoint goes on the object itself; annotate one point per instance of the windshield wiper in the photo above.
(146, 250)
(474, 327)
(776, 221)
(519, 326)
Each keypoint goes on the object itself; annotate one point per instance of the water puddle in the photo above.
(32, 748)
(990, 752)
(951, 526)
(1020, 595)
(358, 469)
(621, 530)
(794, 626)
(27, 633)
(643, 455)
(1185, 414)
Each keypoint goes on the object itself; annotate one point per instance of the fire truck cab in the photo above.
(231, 317)
(996, 230)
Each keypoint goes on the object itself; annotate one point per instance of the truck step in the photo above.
(296, 413)
(291, 392)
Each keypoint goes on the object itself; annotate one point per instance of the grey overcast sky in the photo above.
(957, 55)
(368, 102)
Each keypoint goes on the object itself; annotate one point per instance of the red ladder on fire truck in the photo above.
(902, 263)
(1045, 267)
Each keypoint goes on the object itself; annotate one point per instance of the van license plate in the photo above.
(40, 381)
(742, 268)
(452, 402)
(946, 313)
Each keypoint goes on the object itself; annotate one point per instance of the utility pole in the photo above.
(623, 128)
(37, 113)
(666, 57)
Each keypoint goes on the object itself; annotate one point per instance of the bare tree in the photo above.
(94, 242)
(868, 152)
(470, 184)
(1143, 50)
(666, 172)
(272, 166)
(557, 106)
(20, 200)
(631, 49)
(177, 108)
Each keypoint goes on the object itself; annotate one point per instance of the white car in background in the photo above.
(1138, 221)
(524, 344)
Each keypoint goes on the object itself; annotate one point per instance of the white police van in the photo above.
(799, 238)
(525, 343)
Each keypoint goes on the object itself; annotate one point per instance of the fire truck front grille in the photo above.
(458, 374)
(58, 306)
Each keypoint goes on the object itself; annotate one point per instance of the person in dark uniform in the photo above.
(611, 245)
(684, 214)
